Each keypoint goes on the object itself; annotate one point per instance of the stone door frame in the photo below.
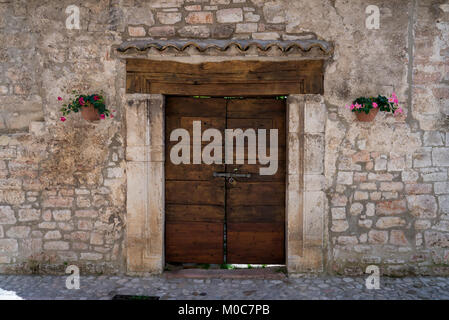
(305, 199)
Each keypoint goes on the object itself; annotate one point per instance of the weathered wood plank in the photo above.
(194, 213)
(261, 243)
(194, 242)
(224, 78)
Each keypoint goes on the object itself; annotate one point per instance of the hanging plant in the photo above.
(92, 107)
(366, 108)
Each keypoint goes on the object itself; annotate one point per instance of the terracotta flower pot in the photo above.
(89, 113)
(363, 117)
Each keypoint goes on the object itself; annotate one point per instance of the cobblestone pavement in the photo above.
(105, 287)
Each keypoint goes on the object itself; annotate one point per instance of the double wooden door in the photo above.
(224, 213)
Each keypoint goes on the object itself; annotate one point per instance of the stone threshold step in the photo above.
(259, 273)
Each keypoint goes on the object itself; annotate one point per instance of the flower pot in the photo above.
(89, 113)
(363, 117)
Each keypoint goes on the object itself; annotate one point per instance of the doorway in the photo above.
(225, 212)
(150, 83)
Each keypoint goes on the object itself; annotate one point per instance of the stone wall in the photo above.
(388, 181)
(63, 185)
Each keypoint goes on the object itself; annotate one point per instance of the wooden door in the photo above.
(255, 206)
(212, 219)
(194, 198)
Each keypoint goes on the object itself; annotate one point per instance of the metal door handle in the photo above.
(232, 175)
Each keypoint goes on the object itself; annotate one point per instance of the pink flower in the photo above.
(112, 116)
(102, 116)
(347, 107)
(352, 107)
(398, 111)
(96, 98)
(113, 110)
(81, 101)
(63, 119)
(375, 105)
(358, 106)
(59, 99)
(393, 99)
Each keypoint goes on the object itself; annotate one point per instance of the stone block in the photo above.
(361, 156)
(422, 224)
(393, 207)
(136, 31)
(422, 158)
(422, 206)
(246, 27)
(440, 157)
(313, 154)
(443, 202)
(339, 200)
(441, 187)
(251, 17)
(57, 201)
(231, 15)
(418, 188)
(397, 238)
(396, 162)
(157, 4)
(435, 239)
(314, 210)
(338, 213)
(91, 256)
(265, 35)
(274, 12)
(409, 176)
(356, 208)
(347, 240)
(339, 225)
(56, 245)
(7, 215)
(215, 2)
(86, 213)
(9, 246)
(433, 139)
(18, 232)
(434, 174)
(315, 115)
(345, 177)
(368, 186)
(222, 31)
(380, 164)
(53, 235)
(380, 176)
(377, 237)
(164, 31)
(169, 17)
(370, 209)
(314, 182)
(62, 215)
(194, 32)
(29, 214)
(390, 222)
(203, 17)
(391, 186)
